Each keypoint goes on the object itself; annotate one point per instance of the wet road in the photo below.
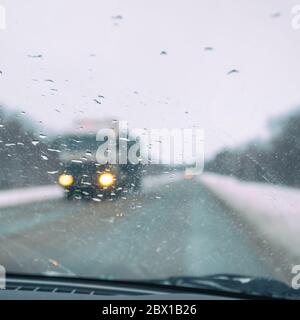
(173, 227)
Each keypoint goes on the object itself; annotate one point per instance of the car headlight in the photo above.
(106, 179)
(65, 180)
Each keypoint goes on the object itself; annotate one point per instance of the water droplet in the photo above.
(275, 15)
(53, 262)
(54, 150)
(233, 71)
(52, 172)
(35, 56)
(35, 142)
(117, 17)
(44, 157)
(97, 101)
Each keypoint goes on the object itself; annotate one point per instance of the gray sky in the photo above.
(88, 53)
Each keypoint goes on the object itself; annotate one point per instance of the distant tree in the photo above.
(274, 161)
(21, 159)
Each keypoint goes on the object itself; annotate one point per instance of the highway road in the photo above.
(173, 227)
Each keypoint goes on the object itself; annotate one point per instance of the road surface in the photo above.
(173, 227)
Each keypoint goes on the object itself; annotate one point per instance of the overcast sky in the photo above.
(113, 48)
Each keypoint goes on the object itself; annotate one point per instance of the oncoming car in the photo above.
(82, 176)
(95, 181)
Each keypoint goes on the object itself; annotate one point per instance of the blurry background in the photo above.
(229, 67)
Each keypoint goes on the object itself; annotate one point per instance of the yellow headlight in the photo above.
(106, 179)
(65, 180)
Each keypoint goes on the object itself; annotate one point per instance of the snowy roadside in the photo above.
(274, 211)
(17, 197)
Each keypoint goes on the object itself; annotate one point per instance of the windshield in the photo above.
(150, 139)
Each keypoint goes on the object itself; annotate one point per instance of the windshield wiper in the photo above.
(231, 283)
(222, 285)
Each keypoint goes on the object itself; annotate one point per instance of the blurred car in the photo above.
(83, 176)
(92, 180)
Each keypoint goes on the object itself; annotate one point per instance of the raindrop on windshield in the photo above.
(35, 56)
(77, 161)
(35, 142)
(232, 71)
(54, 150)
(275, 15)
(52, 172)
(97, 101)
(117, 17)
